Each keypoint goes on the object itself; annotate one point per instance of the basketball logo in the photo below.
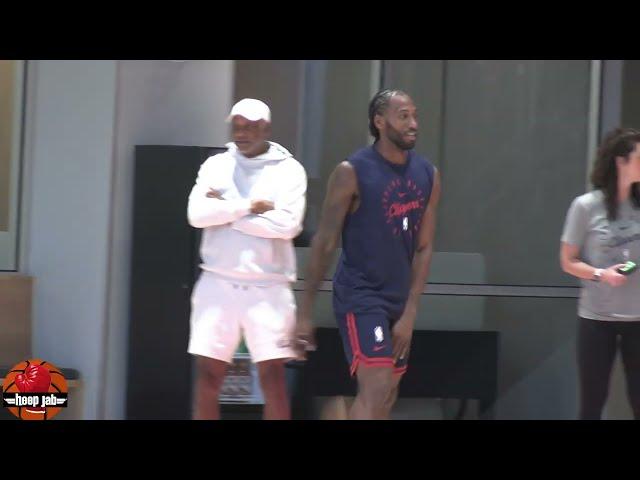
(34, 390)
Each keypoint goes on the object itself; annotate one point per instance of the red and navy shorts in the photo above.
(367, 341)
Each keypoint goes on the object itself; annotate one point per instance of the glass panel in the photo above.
(11, 108)
(512, 154)
(319, 113)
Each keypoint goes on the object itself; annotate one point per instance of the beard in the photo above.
(399, 140)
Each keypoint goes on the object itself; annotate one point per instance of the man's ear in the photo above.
(266, 128)
(378, 121)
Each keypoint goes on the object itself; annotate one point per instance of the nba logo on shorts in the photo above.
(378, 333)
(405, 224)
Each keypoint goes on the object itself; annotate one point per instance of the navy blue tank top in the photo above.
(379, 239)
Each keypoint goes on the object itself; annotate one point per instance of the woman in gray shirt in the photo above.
(601, 233)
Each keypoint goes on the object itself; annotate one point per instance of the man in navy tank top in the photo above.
(382, 202)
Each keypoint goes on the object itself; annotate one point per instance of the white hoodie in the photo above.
(236, 244)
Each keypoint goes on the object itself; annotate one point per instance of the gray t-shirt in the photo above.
(603, 244)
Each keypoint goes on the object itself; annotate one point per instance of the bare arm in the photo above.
(402, 330)
(341, 190)
(573, 265)
(573, 238)
(424, 250)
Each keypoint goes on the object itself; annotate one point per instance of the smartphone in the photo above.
(628, 268)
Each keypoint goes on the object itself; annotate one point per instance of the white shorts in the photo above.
(223, 311)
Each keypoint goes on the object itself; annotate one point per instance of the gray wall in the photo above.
(611, 95)
(277, 83)
(71, 167)
(513, 157)
(158, 103)
(84, 118)
(423, 80)
(631, 94)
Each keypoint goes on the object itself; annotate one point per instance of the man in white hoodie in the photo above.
(250, 203)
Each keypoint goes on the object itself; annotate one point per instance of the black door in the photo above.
(164, 267)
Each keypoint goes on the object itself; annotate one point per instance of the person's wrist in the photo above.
(597, 275)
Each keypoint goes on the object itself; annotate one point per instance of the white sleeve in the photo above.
(285, 220)
(208, 212)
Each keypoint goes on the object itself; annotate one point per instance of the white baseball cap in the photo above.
(251, 109)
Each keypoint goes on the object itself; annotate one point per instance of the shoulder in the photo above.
(360, 155)
(588, 201)
(292, 166)
(344, 177)
(216, 160)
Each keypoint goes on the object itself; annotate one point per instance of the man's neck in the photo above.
(264, 149)
(391, 152)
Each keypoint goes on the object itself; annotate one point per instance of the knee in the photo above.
(272, 375)
(391, 398)
(209, 379)
(378, 392)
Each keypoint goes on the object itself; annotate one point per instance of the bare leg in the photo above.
(274, 387)
(375, 385)
(393, 396)
(209, 377)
